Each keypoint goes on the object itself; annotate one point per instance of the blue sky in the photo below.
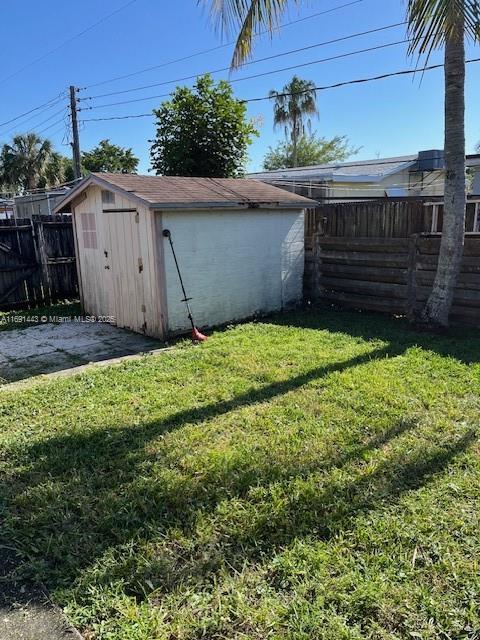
(391, 117)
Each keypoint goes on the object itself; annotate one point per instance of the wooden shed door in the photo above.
(124, 267)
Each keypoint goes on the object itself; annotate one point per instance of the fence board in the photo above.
(373, 274)
(399, 260)
(367, 303)
(377, 256)
(37, 261)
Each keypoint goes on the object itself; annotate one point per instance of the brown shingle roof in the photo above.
(179, 190)
(183, 192)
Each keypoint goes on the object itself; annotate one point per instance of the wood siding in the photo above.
(119, 277)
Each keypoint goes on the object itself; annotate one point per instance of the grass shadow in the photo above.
(461, 344)
(85, 494)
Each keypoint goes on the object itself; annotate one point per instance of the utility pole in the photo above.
(77, 169)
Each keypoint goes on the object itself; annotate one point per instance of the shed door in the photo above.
(124, 269)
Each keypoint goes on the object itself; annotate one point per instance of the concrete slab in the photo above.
(48, 348)
(26, 612)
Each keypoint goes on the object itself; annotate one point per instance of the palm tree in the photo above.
(432, 24)
(296, 100)
(26, 161)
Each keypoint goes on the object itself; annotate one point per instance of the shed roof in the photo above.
(168, 192)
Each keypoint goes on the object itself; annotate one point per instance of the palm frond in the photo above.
(248, 18)
(430, 22)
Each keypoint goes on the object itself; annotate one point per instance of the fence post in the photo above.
(412, 276)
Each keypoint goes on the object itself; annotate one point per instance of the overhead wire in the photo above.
(67, 41)
(222, 46)
(50, 126)
(53, 115)
(337, 85)
(47, 105)
(258, 60)
(251, 77)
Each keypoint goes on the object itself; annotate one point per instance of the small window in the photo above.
(108, 197)
(89, 230)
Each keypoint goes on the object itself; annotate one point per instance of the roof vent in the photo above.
(432, 160)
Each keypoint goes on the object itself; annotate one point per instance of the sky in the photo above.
(42, 56)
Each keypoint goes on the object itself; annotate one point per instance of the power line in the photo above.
(42, 190)
(20, 125)
(286, 94)
(65, 42)
(59, 130)
(360, 80)
(138, 115)
(41, 106)
(222, 46)
(39, 124)
(277, 55)
(251, 77)
(50, 126)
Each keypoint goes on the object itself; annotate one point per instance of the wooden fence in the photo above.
(37, 261)
(358, 258)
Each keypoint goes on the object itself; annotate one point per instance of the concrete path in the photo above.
(25, 611)
(57, 347)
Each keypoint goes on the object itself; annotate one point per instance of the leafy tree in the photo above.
(310, 150)
(202, 132)
(109, 157)
(296, 101)
(25, 162)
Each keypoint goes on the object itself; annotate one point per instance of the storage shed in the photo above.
(239, 244)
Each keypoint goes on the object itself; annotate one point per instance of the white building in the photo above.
(420, 175)
(239, 244)
(38, 204)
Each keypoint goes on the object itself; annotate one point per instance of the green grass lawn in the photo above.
(314, 475)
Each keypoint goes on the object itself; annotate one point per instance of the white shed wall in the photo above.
(234, 264)
(119, 277)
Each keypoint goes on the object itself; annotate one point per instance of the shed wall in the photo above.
(118, 268)
(234, 264)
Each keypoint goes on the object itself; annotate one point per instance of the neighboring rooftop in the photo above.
(185, 192)
(355, 170)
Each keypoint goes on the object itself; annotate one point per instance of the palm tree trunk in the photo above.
(31, 181)
(437, 310)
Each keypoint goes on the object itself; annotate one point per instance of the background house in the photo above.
(239, 243)
(421, 175)
(42, 203)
